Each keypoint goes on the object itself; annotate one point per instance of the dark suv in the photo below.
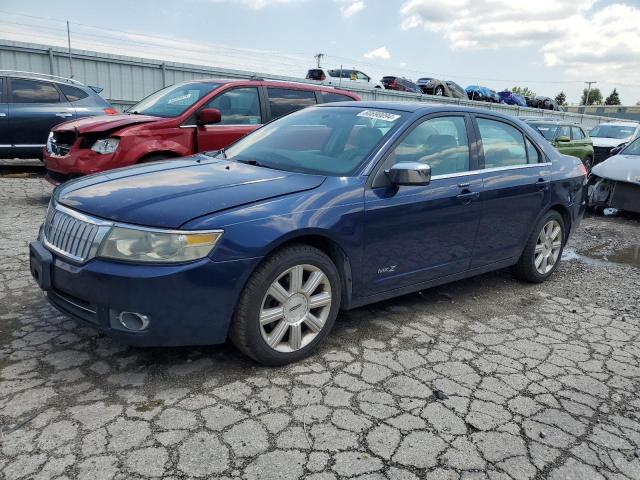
(31, 104)
(400, 84)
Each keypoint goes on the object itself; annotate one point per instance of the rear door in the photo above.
(516, 187)
(35, 106)
(580, 143)
(242, 113)
(283, 101)
(5, 141)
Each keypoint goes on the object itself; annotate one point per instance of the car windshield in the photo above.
(633, 148)
(548, 130)
(330, 141)
(612, 131)
(174, 100)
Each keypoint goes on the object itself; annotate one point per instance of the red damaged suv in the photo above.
(189, 117)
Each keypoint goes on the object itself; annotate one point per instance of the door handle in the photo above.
(64, 114)
(468, 197)
(542, 184)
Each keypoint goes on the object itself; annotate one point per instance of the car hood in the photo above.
(104, 123)
(620, 168)
(168, 194)
(608, 142)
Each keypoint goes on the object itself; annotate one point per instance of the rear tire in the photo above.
(275, 321)
(543, 250)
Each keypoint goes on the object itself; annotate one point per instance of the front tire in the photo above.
(542, 252)
(288, 306)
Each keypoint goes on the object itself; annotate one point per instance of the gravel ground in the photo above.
(483, 378)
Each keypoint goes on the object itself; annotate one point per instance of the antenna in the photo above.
(69, 44)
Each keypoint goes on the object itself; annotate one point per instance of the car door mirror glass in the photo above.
(208, 116)
(409, 173)
(563, 138)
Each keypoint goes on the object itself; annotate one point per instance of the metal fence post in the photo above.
(51, 68)
(163, 67)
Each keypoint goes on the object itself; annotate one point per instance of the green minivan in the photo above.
(568, 138)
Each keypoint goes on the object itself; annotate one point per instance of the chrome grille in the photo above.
(70, 236)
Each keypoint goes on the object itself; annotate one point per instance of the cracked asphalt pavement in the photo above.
(487, 378)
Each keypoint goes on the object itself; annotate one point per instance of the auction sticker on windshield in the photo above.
(378, 115)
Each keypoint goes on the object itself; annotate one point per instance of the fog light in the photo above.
(132, 321)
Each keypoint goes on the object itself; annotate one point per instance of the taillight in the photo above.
(583, 170)
(110, 111)
(393, 85)
(323, 77)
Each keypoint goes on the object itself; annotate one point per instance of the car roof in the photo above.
(553, 122)
(42, 76)
(268, 82)
(413, 107)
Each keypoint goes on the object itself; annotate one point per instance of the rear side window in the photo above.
(564, 131)
(73, 94)
(240, 106)
(503, 145)
(285, 100)
(329, 97)
(33, 91)
(577, 133)
(316, 74)
(532, 152)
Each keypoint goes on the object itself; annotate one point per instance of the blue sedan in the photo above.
(328, 208)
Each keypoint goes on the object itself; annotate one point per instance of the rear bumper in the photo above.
(190, 304)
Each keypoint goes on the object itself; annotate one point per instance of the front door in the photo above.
(414, 234)
(241, 114)
(516, 186)
(35, 107)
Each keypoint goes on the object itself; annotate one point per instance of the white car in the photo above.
(615, 182)
(343, 77)
(610, 135)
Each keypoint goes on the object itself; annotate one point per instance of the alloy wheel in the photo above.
(548, 247)
(295, 308)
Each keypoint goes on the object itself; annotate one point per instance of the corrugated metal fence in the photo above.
(128, 79)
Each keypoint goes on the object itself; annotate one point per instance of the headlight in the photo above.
(137, 245)
(106, 145)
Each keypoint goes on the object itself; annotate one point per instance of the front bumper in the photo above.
(188, 304)
(78, 162)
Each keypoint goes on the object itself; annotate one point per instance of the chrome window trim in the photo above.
(490, 170)
(225, 125)
(28, 145)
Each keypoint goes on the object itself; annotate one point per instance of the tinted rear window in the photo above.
(73, 94)
(286, 100)
(315, 75)
(329, 97)
(33, 91)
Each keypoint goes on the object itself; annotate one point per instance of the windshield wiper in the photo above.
(215, 153)
(256, 164)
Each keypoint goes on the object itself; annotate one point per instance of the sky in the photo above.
(546, 45)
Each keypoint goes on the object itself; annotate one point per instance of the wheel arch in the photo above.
(329, 247)
(566, 217)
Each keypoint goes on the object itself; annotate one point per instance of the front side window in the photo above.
(239, 106)
(331, 140)
(502, 144)
(174, 100)
(439, 142)
(362, 76)
(633, 148)
(285, 100)
(577, 133)
(33, 91)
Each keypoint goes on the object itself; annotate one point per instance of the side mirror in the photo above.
(563, 138)
(207, 116)
(409, 173)
(617, 150)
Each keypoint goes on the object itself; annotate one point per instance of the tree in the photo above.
(595, 97)
(561, 99)
(524, 91)
(613, 99)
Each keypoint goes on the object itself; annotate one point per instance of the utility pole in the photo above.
(69, 45)
(318, 57)
(586, 99)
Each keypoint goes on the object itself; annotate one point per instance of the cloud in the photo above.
(378, 54)
(257, 4)
(578, 36)
(348, 8)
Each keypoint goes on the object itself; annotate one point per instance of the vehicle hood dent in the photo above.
(169, 194)
(620, 168)
(104, 123)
